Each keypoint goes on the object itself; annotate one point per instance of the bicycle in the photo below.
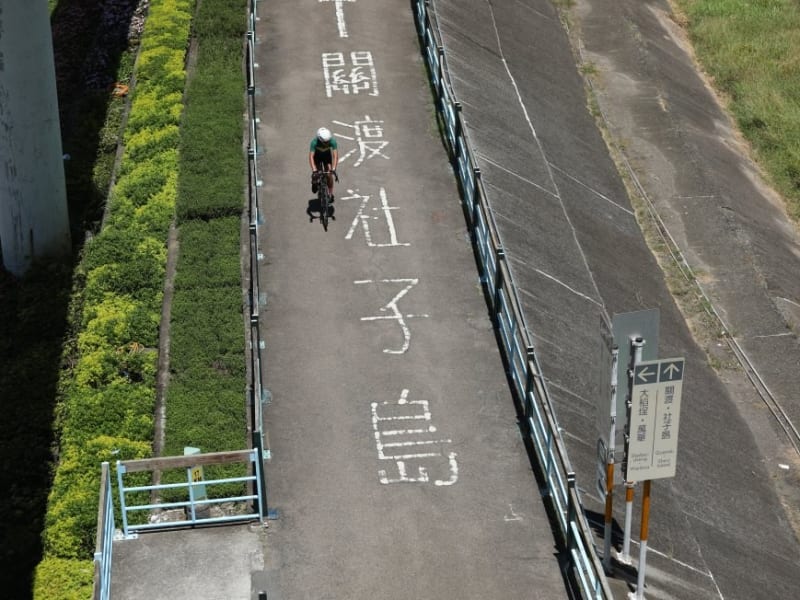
(320, 180)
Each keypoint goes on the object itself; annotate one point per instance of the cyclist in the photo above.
(323, 156)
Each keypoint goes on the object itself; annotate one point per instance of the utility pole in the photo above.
(34, 221)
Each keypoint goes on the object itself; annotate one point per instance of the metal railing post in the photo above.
(457, 130)
(264, 511)
(549, 459)
(499, 281)
(571, 510)
(122, 508)
(476, 172)
(529, 376)
(440, 78)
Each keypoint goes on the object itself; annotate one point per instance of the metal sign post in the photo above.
(643, 540)
(609, 487)
(631, 339)
(625, 556)
(197, 489)
(637, 345)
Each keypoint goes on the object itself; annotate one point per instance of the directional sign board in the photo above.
(624, 328)
(195, 475)
(652, 440)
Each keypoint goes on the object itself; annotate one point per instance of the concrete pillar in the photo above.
(34, 222)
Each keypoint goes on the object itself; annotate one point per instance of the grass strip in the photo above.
(205, 399)
(752, 52)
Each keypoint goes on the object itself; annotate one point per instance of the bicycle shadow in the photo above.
(314, 210)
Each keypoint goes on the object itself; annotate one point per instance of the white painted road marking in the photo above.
(395, 315)
(368, 135)
(363, 218)
(354, 81)
(340, 16)
(415, 410)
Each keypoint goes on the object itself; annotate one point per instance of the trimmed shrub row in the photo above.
(205, 399)
(190, 160)
(109, 394)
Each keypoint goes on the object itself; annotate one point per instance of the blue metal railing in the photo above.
(525, 374)
(105, 538)
(257, 394)
(195, 500)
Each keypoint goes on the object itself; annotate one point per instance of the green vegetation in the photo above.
(72, 579)
(183, 166)
(36, 322)
(107, 393)
(205, 404)
(752, 51)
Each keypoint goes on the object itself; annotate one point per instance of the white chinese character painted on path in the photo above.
(368, 135)
(366, 214)
(340, 15)
(358, 76)
(394, 312)
(403, 433)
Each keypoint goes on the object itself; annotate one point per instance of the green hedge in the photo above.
(189, 160)
(210, 254)
(72, 513)
(109, 394)
(212, 165)
(206, 397)
(64, 578)
(212, 340)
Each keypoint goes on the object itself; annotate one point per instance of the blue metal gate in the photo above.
(197, 501)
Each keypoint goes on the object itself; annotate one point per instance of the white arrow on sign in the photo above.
(671, 369)
(645, 374)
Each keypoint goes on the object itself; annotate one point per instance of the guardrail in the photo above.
(524, 371)
(105, 537)
(196, 502)
(257, 395)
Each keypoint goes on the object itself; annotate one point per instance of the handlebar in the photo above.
(333, 171)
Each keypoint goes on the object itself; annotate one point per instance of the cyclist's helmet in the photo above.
(324, 134)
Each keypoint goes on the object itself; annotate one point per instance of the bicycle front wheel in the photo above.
(324, 205)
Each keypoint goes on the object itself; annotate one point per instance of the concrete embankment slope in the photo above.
(718, 529)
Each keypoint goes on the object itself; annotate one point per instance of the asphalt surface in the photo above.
(398, 470)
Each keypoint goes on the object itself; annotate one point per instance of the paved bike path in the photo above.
(398, 470)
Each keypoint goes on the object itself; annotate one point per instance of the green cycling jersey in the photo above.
(319, 146)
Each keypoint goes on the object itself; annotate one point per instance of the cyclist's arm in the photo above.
(334, 158)
(311, 161)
